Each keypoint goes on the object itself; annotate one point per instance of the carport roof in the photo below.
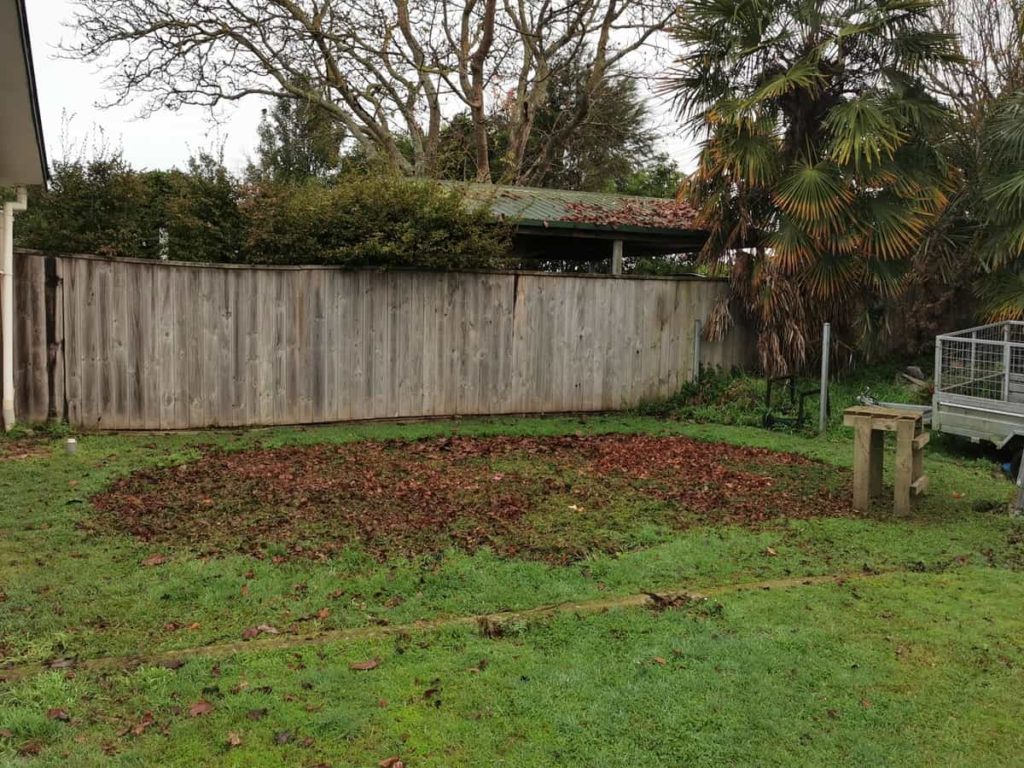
(565, 221)
(22, 152)
(561, 208)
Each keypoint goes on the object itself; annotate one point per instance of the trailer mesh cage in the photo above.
(985, 362)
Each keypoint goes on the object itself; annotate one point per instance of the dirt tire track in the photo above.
(264, 643)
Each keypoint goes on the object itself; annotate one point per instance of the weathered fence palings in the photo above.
(156, 345)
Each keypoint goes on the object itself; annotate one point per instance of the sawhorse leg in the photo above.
(905, 434)
(867, 463)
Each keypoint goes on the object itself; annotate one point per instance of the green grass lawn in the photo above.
(916, 661)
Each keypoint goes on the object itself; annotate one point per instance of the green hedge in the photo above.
(204, 214)
(366, 220)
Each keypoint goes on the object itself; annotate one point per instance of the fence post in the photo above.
(1006, 363)
(697, 331)
(826, 348)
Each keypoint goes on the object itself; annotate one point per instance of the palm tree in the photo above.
(820, 166)
(998, 201)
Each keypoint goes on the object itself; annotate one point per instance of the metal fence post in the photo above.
(1006, 362)
(826, 346)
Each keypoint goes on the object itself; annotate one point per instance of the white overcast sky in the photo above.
(69, 92)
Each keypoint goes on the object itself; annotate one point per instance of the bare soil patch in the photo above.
(555, 499)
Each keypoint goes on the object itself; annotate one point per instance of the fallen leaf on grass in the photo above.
(234, 740)
(660, 661)
(770, 552)
(56, 713)
(245, 590)
(282, 737)
(140, 727)
(153, 560)
(391, 762)
(30, 748)
(666, 601)
(364, 666)
(262, 629)
(865, 703)
(256, 714)
(201, 707)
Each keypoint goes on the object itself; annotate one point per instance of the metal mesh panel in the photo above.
(985, 362)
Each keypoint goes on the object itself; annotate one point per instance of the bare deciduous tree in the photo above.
(388, 70)
(991, 34)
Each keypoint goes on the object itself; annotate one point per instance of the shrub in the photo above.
(105, 207)
(718, 395)
(370, 221)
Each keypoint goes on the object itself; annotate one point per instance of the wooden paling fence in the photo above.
(134, 344)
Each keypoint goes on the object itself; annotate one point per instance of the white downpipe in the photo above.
(7, 270)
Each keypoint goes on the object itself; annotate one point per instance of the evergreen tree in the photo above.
(297, 141)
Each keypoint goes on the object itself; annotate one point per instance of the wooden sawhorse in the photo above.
(870, 424)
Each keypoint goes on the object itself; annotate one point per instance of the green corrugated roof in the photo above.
(586, 210)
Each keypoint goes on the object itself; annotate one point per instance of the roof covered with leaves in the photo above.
(530, 206)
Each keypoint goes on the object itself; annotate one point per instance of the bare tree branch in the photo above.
(388, 70)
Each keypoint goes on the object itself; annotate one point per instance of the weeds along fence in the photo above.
(136, 344)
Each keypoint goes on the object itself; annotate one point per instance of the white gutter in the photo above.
(7, 297)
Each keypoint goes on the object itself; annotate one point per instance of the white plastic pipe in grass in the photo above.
(7, 297)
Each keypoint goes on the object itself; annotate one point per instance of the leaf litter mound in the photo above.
(550, 498)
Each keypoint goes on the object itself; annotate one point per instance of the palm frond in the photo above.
(1006, 196)
(1002, 296)
(791, 246)
(832, 278)
(813, 192)
(863, 132)
(803, 75)
(892, 226)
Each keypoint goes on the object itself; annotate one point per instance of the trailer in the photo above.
(979, 383)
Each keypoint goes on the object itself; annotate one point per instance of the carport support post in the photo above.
(616, 257)
(826, 348)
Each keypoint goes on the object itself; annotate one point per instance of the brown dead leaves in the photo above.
(200, 708)
(396, 499)
(262, 629)
(364, 666)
